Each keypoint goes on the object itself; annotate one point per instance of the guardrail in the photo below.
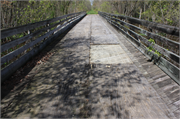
(167, 60)
(38, 35)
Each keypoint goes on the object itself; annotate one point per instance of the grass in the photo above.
(92, 12)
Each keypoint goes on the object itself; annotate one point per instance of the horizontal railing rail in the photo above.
(166, 59)
(172, 30)
(19, 29)
(39, 35)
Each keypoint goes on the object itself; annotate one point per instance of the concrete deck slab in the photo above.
(104, 39)
(108, 54)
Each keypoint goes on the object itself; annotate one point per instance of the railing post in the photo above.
(29, 32)
(48, 29)
(110, 18)
(27, 42)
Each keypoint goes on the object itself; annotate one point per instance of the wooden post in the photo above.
(48, 29)
(27, 42)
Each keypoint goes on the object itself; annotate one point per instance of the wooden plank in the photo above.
(161, 27)
(169, 68)
(23, 39)
(19, 29)
(158, 76)
(161, 82)
(6, 72)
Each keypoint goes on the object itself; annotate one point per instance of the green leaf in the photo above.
(152, 41)
(158, 53)
(142, 34)
(150, 48)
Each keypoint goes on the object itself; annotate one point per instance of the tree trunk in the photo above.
(154, 20)
(140, 14)
(144, 9)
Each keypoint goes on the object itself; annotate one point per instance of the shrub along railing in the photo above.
(19, 44)
(163, 51)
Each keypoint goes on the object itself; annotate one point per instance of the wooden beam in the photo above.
(12, 31)
(172, 30)
(23, 48)
(160, 49)
(29, 36)
(152, 35)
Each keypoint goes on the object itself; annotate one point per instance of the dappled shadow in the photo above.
(56, 83)
(40, 96)
(69, 86)
(112, 90)
(19, 78)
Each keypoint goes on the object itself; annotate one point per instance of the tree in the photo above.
(162, 11)
(16, 13)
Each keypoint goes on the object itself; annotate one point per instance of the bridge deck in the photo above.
(96, 73)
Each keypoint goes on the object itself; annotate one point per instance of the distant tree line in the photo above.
(17, 13)
(162, 11)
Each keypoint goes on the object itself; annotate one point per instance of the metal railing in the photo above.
(163, 51)
(37, 36)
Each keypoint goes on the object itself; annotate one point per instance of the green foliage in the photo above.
(126, 26)
(20, 35)
(151, 40)
(92, 12)
(150, 48)
(166, 12)
(33, 11)
(142, 34)
(52, 14)
(105, 7)
(158, 53)
(162, 34)
(83, 5)
(115, 12)
(169, 20)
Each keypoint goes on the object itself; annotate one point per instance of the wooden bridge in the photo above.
(97, 70)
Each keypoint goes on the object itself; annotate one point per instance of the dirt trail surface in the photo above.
(91, 74)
